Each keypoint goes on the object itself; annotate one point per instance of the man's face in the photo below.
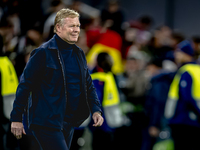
(179, 56)
(69, 30)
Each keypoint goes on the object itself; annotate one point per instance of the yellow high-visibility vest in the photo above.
(173, 95)
(111, 99)
(9, 83)
(111, 96)
(9, 80)
(194, 71)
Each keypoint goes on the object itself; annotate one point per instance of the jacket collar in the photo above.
(53, 44)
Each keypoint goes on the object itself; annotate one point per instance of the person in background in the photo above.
(176, 38)
(183, 106)
(108, 94)
(56, 5)
(62, 93)
(115, 15)
(33, 38)
(156, 96)
(8, 86)
(133, 84)
(160, 44)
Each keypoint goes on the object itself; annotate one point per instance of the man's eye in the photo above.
(75, 26)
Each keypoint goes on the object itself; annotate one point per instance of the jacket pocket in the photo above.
(53, 74)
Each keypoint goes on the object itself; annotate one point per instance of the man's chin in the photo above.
(72, 41)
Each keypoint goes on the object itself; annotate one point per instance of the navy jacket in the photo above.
(44, 79)
(156, 98)
(187, 110)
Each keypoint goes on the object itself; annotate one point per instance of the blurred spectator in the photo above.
(133, 85)
(133, 41)
(114, 14)
(7, 32)
(182, 106)
(32, 38)
(93, 32)
(2, 131)
(176, 37)
(142, 23)
(108, 94)
(136, 79)
(107, 41)
(8, 7)
(30, 14)
(8, 86)
(155, 102)
(56, 5)
(136, 35)
(160, 45)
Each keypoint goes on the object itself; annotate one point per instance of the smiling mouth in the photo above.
(74, 35)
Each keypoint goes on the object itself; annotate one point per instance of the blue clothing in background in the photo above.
(186, 104)
(156, 98)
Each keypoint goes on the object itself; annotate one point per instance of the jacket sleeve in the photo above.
(93, 100)
(28, 81)
(185, 88)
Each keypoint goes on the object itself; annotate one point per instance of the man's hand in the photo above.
(98, 119)
(154, 131)
(17, 129)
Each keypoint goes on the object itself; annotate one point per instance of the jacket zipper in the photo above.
(63, 79)
(82, 72)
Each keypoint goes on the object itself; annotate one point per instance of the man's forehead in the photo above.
(71, 19)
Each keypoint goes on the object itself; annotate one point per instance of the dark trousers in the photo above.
(102, 140)
(53, 139)
(185, 137)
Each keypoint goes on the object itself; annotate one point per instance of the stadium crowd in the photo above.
(140, 59)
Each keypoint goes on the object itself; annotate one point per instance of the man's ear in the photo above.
(58, 28)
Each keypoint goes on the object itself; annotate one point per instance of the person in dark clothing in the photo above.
(114, 16)
(155, 103)
(1, 100)
(62, 93)
(108, 93)
(8, 86)
(182, 109)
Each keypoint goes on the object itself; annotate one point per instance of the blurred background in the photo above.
(140, 37)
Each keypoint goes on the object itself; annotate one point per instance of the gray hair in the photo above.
(62, 14)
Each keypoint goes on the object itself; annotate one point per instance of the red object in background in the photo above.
(112, 39)
(109, 38)
(92, 36)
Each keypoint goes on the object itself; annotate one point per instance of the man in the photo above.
(183, 105)
(60, 88)
(108, 94)
(156, 96)
(8, 86)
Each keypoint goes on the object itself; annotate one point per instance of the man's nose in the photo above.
(76, 29)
